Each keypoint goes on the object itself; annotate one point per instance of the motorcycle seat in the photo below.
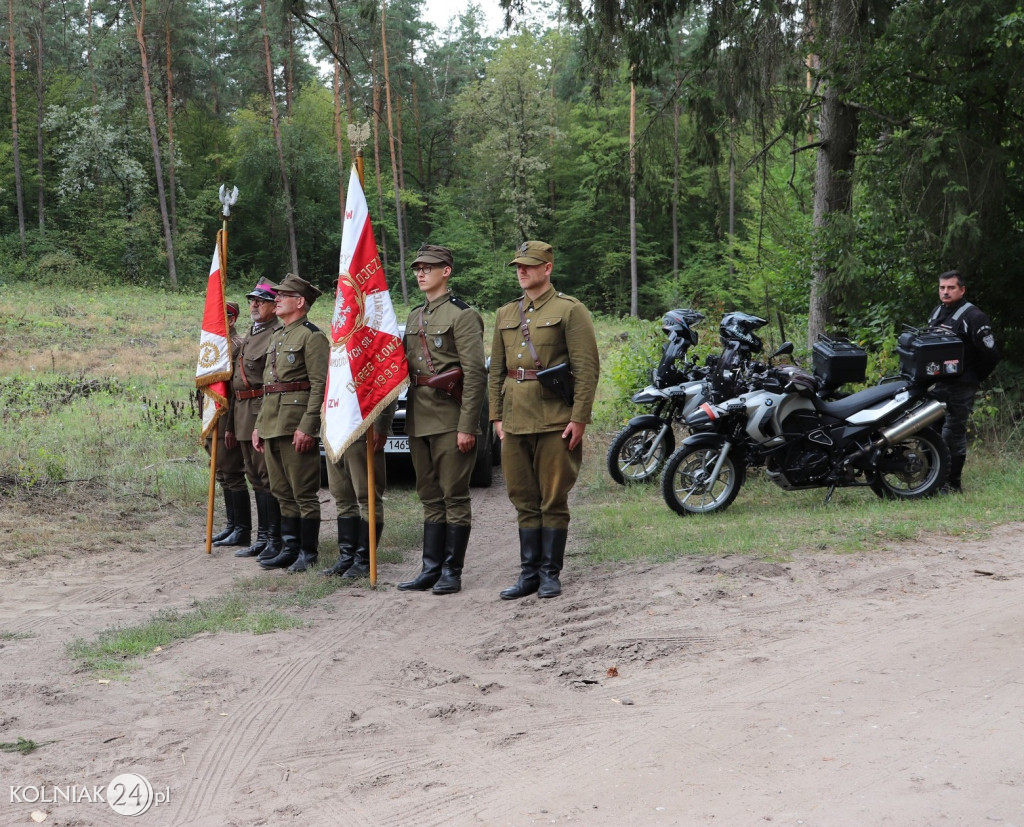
(844, 408)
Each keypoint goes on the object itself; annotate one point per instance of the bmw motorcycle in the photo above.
(879, 438)
(639, 451)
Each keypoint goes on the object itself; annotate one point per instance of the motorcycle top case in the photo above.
(930, 355)
(838, 361)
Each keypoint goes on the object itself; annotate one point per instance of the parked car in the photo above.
(396, 449)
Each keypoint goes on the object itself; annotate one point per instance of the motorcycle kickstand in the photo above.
(828, 496)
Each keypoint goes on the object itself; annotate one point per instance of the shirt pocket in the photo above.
(548, 336)
(291, 362)
(441, 340)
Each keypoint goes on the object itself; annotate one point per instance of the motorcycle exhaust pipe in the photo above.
(928, 413)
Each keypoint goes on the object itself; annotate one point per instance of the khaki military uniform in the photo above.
(347, 478)
(452, 337)
(297, 355)
(539, 469)
(247, 397)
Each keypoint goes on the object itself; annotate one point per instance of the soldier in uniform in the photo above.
(349, 486)
(231, 466)
(288, 424)
(541, 419)
(981, 356)
(247, 394)
(448, 383)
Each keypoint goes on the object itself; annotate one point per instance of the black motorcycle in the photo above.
(879, 438)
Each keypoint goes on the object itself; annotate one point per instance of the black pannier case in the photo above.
(838, 361)
(930, 355)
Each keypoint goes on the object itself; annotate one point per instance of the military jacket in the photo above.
(975, 330)
(297, 352)
(246, 375)
(561, 331)
(454, 334)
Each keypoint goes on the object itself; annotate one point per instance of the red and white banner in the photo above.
(367, 370)
(213, 370)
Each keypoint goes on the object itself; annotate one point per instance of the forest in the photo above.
(817, 162)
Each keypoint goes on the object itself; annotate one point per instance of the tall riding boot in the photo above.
(552, 544)
(291, 538)
(529, 556)
(274, 545)
(229, 513)
(433, 556)
(954, 484)
(243, 521)
(261, 527)
(361, 566)
(348, 532)
(309, 545)
(456, 541)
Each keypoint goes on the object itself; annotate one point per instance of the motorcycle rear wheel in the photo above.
(685, 486)
(913, 468)
(631, 458)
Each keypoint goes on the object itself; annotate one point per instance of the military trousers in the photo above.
(349, 486)
(255, 467)
(442, 477)
(294, 478)
(230, 466)
(540, 472)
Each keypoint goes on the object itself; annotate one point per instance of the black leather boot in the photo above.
(242, 535)
(261, 527)
(274, 544)
(348, 532)
(309, 545)
(954, 484)
(291, 539)
(552, 545)
(361, 566)
(229, 513)
(456, 541)
(529, 556)
(433, 556)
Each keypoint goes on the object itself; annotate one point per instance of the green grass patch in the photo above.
(24, 746)
(15, 635)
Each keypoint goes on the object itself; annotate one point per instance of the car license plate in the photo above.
(397, 445)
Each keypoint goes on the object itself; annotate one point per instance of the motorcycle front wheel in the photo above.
(913, 468)
(686, 483)
(633, 455)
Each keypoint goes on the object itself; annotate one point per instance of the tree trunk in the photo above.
(675, 182)
(276, 124)
(40, 114)
(376, 156)
(633, 280)
(394, 158)
(338, 141)
(172, 186)
(14, 126)
(139, 18)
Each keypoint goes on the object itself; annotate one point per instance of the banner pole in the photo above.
(213, 491)
(371, 481)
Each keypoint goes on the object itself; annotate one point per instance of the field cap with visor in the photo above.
(433, 254)
(263, 291)
(291, 283)
(533, 253)
(232, 308)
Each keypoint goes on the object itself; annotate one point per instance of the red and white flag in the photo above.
(367, 370)
(213, 370)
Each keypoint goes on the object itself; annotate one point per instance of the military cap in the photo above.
(291, 283)
(232, 308)
(434, 254)
(533, 252)
(262, 291)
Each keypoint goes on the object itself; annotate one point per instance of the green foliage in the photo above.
(627, 367)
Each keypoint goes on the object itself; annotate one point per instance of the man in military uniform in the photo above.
(543, 379)
(288, 423)
(974, 329)
(231, 465)
(444, 346)
(349, 486)
(247, 394)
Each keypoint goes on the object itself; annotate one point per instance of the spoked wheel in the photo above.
(687, 486)
(639, 452)
(913, 468)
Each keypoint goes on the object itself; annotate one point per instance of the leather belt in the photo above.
(255, 393)
(285, 387)
(419, 380)
(519, 374)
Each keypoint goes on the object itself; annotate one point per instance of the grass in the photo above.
(99, 450)
(23, 746)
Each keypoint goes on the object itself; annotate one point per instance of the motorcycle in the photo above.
(880, 438)
(639, 451)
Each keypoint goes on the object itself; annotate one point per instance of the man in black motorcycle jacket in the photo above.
(974, 329)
